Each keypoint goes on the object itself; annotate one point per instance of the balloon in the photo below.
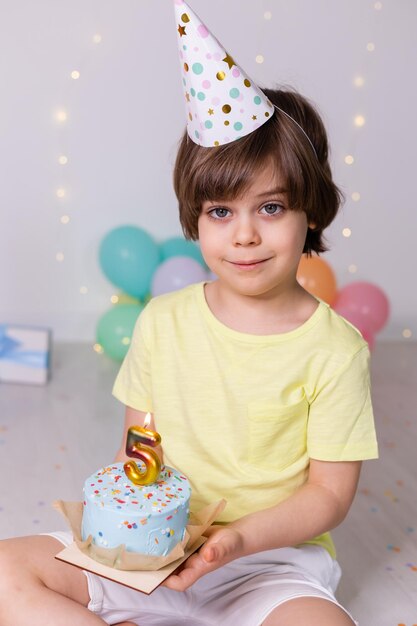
(124, 298)
(178, 246)
(175, 273)
(128, 258)
(359, 322)
(115, 329)
(317, 277)
(367, 301)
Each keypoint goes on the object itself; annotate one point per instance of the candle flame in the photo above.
(147, 420)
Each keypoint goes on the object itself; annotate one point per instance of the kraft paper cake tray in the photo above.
(138, 571)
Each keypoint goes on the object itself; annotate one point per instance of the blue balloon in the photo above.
(128, 257)
(178, 246)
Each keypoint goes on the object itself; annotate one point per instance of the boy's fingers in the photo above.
(218, 547)
(209, 554)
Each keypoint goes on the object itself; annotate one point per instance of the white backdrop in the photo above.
(125, 116)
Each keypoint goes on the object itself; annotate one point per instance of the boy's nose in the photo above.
(246, 234)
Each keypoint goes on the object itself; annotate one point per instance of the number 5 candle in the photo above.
(139, 444)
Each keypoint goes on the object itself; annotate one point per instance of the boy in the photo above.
(261, 392)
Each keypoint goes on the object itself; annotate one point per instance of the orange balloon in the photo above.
(317, 277)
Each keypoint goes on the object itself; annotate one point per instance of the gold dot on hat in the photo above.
(210, 112)
(185, 18)
(191, 117)
(227, 123)
(226, 108)
(247, 82)
(186, 67)
(267, 114)
(221, 75)
(216, 143)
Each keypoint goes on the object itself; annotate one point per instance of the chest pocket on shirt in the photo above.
(277, 433)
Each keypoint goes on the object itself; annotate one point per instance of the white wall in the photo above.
(125, 116)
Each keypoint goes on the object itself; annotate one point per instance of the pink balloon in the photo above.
(364, 300)
(175, 273)
(359, 321)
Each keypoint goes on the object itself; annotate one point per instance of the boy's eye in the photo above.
(219, 213)
(272, 209)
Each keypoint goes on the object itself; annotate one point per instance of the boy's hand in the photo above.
(224, 544)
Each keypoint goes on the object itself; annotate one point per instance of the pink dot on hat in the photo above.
(236, 72)
(202, 30)
(206, 84)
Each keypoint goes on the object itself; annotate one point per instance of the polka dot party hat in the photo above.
(222, 102)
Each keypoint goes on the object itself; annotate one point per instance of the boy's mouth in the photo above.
(248, 265)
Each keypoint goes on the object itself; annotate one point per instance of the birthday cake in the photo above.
(149, 519)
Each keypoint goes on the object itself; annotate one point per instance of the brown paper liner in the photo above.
(119, 557)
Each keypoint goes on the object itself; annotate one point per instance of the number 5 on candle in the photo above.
(139, 444)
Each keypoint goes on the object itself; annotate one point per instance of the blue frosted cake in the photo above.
(149, 519)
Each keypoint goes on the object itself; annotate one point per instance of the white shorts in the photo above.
(242, 592)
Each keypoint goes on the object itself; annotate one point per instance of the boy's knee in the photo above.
(10, 567)
(29, 562)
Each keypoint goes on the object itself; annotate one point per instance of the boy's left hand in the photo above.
(224, 544)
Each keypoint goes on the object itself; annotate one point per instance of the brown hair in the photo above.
(226, 171)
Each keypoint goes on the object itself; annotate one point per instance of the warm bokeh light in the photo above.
(61, 116)
(359, 81)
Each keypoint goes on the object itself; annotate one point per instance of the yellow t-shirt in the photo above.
(242, 414)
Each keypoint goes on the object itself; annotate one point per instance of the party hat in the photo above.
(222, 102)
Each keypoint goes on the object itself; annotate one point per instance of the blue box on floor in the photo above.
(24, 354)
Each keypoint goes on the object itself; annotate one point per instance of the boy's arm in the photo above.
(134, 418)
(318, 506)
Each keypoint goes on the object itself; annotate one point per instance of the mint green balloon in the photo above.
(178, 246)
(129, 257)
(115, 329)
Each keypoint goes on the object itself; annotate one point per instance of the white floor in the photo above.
(52, 437)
